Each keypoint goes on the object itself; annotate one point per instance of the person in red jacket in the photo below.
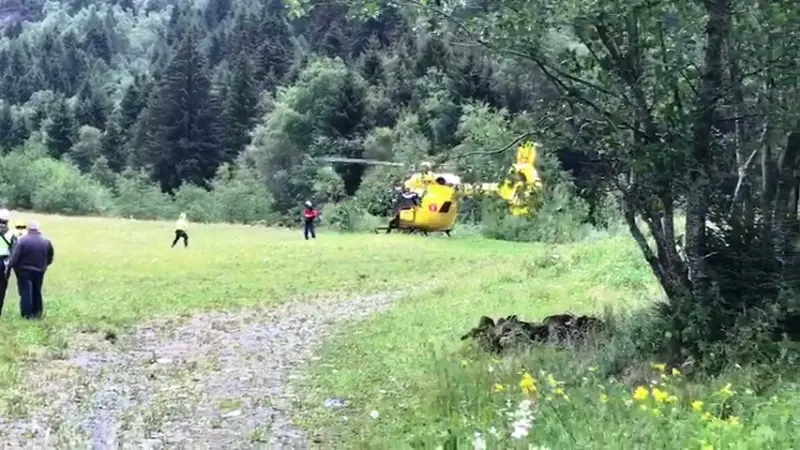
(309, 216)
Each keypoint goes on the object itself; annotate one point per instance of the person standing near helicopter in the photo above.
(309, 216)
(406, 199)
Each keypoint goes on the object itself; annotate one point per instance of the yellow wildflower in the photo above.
(733, 421)
(671, 399)
(551, 380)
(727, 391)
(527, 384)
(498, 387)
(641, 393)
(705, 416)
(659, 367)
(660, 395)
(676, 372)
(603, 397)
(697, 405)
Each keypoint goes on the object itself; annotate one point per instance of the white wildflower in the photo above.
(374, 414)
(480, 443)
(493, 431)
(491, 368)
(522, 419)
(520, 430)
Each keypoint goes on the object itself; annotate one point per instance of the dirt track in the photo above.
(216, 380)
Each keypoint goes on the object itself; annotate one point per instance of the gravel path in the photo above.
(217, 380)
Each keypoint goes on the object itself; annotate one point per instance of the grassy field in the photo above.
(407, 376)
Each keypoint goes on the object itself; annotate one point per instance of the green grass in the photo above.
(407, 364)
(111, 273)
(430, 388)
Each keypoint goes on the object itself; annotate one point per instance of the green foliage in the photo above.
(377, 196)
(139, 198)
(562, 218)
(349, 216)
(34, 181)
(241, 197)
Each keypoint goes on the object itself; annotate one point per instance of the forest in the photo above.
(219, 108)
(647, 112)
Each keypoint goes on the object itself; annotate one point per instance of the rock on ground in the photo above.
(216, 380)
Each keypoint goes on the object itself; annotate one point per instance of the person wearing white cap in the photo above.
(9, 238)
(309, 216)
(30, 258)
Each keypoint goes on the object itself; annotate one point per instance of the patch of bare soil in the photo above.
(216, 380)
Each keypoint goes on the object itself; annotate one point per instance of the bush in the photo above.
(348, 216)
(31, 180)
(376, 195)
(241, 197)
(64, 190)
(561, 218)
(141, 199)
(198, 203)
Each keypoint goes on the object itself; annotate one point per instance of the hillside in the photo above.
(181, 96)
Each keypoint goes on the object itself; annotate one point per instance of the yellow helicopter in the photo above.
(439, 194)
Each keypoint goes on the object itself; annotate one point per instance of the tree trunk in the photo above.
(717, 32)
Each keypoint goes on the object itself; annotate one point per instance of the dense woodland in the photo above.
(673, 107)
(186, 96)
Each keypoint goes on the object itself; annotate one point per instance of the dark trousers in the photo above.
(394, 223)
(309, 229)
(29, 285)
(181, 234)
(3, 284)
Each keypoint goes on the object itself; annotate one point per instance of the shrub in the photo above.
(141, 199)
(198, 203)
(348, 216)
(561, 218)
(241, 197)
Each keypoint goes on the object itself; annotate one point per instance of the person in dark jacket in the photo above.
(30, 258)
(309, 216)
(407, 199)
(7, 240)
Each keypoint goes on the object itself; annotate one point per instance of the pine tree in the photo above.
(96, 38)
(347, 126)
(112, 144)
(432, 54)
(371, 66)
(6, 126)
(91, 108)
(101, 171)
(60, 129)
(133, 102)
(274, 50)
(240, 106)
(184, 140)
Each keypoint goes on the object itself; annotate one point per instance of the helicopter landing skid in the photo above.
(407, 230)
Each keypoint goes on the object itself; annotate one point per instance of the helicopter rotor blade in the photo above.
(375, 162)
